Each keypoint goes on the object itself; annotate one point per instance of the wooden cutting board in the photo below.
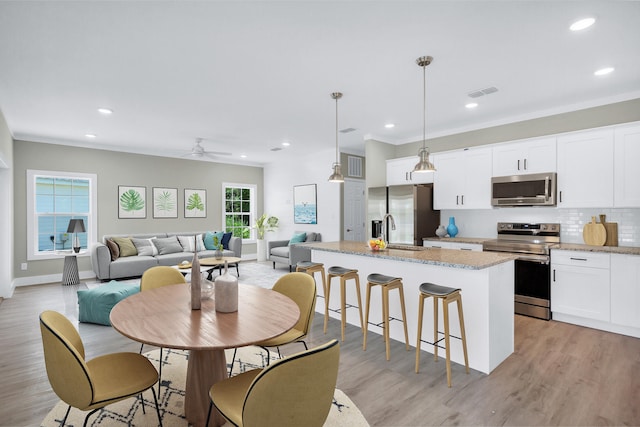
(594, 233)
(612, 231)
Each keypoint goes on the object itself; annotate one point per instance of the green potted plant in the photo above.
(218, 245)
(263, 224)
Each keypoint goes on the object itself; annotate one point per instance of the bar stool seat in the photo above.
(386, 283)
(311, 268)
(448, 296)
(344, 274)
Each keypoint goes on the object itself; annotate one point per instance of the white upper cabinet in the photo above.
(463, 179)
(626, 191)
(585, 169)
(524, 157)
(399, 172)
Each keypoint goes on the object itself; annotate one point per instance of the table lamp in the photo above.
(76, 226)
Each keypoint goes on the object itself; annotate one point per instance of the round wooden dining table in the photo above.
(163, 317)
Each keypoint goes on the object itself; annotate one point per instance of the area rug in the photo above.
(171, 400)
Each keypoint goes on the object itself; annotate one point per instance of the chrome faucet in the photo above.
(384, 221)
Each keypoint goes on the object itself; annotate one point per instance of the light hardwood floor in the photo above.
(559, 374)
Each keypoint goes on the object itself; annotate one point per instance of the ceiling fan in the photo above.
(198, 151)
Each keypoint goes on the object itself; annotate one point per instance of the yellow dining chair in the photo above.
(294, 391)
(301, 288)
(156, 277)
(90, 385)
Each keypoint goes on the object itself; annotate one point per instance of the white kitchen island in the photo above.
(486, 280)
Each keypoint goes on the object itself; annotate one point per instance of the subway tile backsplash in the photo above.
(482, 223)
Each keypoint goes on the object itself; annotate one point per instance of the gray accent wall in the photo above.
(114, 169)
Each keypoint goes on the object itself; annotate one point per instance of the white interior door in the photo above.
(354, 210)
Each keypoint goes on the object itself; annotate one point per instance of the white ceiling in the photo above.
(247, 76)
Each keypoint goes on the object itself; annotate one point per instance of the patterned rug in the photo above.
(171, 400)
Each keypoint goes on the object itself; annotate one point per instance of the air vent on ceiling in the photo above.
(481, 92)
(347, 130)
(276, 149)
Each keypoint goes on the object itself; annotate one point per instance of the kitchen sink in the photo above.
(407, 247)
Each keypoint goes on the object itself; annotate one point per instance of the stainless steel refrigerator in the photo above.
(412, 209)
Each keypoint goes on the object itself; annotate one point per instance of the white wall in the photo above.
(279, 179)
(6, 209)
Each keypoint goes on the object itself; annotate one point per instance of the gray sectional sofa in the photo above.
(290, 254)
(133, 266)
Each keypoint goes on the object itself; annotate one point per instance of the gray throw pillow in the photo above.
(168, 245)
(144, 246)
(311, 237)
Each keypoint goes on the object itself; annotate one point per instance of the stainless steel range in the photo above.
(532, 243)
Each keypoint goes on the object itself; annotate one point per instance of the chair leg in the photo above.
(462, 332)
(209, 412)
(142, 402)
(404, 317)
(64, 420)
(233, 360)
(366, 316)
(88, 415)
(445, 315)
(141, 346)
(357, 277)
(160, 371)
(155, 400)
(237, 270)
(385, 320)
(419, 339)
(274, 265)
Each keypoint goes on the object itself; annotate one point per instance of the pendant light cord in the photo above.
(424, 107)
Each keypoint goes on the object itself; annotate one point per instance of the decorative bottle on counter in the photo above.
(226, 291)
(441, 231)
(452, 229)
(195, 283)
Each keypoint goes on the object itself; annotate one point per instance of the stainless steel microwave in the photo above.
(524, 190)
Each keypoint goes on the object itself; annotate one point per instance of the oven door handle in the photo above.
(540, 259)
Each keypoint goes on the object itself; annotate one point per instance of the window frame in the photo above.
(253, 189)
(33, 254)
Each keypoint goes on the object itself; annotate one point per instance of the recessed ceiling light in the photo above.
(89, 135)
(604, 71)
(471, 105)
(582, 24)
(105, 111)
(286, 144)
(243, 156)
(390, 125)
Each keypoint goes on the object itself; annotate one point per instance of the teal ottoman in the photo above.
(94, 305)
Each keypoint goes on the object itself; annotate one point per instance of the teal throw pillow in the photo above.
(208, 239)
(298, 238)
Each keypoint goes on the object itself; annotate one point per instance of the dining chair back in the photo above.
(90, 385)
(159, 276)
(302, 291)
(294, 391)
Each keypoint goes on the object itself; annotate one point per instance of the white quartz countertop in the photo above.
(471, 260)
(469, 240)
(624, 250)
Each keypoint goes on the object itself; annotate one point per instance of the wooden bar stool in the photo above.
(311, 268)
(344, 274)
(386, 283)
(447, 295)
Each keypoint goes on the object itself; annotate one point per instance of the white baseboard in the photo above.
(48, 278)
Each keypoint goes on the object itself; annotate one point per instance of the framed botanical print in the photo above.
(195, 203)
(305, 204)
(165, 202)
(132, 202)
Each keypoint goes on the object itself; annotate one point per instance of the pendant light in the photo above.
(424, 165)
(336, 176)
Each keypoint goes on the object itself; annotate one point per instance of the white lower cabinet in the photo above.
(580, 284)
(625, 290)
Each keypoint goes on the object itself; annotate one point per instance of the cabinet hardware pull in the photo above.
(578, 259)
(525, 164)
(560, 196)
(439, 247)
(518, 164)
(554, 274)
(457, 199)
(466, 249)
(462, 199)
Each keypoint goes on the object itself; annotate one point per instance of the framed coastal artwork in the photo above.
(195, 203)
(305, 204)
(165, 202)
(132, 202)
